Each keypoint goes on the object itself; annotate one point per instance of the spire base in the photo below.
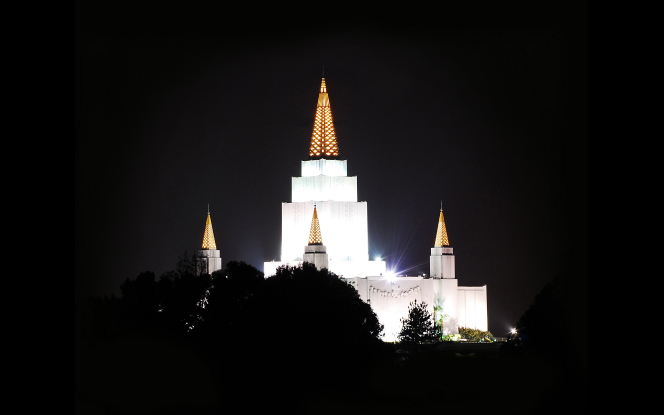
(208, 261)
(317, 255)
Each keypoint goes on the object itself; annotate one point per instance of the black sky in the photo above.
(488, 112)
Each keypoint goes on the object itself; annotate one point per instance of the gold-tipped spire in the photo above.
(315, 237)
(441, 233)
(323, 139)
(208, 236)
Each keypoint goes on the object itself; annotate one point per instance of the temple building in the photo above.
(324, 202)
(343, 220)
(453, 305)
(207, 258)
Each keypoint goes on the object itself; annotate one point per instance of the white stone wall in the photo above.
(208, 261)
(448, 267)
(340, 189)
(326, 167)
(342, 268)
(441, 263)
(342, 219)
(343, 226)
(435, 266)
(390, 298)
(208, 253)
(357, 268)
(445, 296)
(270, 268)
(319, 260)
(315, 254)
(472, 308)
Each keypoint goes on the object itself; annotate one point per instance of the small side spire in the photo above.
(315, 237)
(208, 236)
(441, 233)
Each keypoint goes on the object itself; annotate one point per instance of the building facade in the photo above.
(450, 304)
(324, 205)
(324, 182)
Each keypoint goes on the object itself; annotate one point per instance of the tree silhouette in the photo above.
(183, 295)
(228, 317)
(292, 328)
(419, 326)
(302, 330)
(542, 328)
(140, 302)
(297, 305)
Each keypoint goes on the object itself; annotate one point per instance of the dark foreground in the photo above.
(303, 342)
(150, 375)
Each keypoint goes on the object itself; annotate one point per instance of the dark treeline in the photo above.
(302, 341)
(257, 342)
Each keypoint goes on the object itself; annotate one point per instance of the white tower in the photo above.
(442, 255)
(315, 252)
(207, 258)
(325, 184)
(445, 284)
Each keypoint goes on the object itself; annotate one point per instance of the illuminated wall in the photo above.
(270, 268)
(326, 167)
(344, 230)
(442, 263)
(343, 220)
(324, 180)
(343, 226)
(357, 268)
(208, 261)
(316, 254)
(390, 297)
(342, 268)
(340, 189)
(446, 296)
(473, 308)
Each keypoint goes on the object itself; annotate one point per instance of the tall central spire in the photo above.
(441, 233)
(208, 236)
(315, 237)
(323, 139)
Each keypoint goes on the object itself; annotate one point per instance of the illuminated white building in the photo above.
(455, 306)
(343, 220)
(324, 201)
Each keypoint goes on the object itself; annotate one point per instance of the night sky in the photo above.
(487, 113)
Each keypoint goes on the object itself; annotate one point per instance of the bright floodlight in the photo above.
(513, 331)
(390, 275)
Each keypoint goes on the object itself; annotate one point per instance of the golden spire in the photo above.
(315, 237)
(323, 139)
(441, 233)
(208, 236)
